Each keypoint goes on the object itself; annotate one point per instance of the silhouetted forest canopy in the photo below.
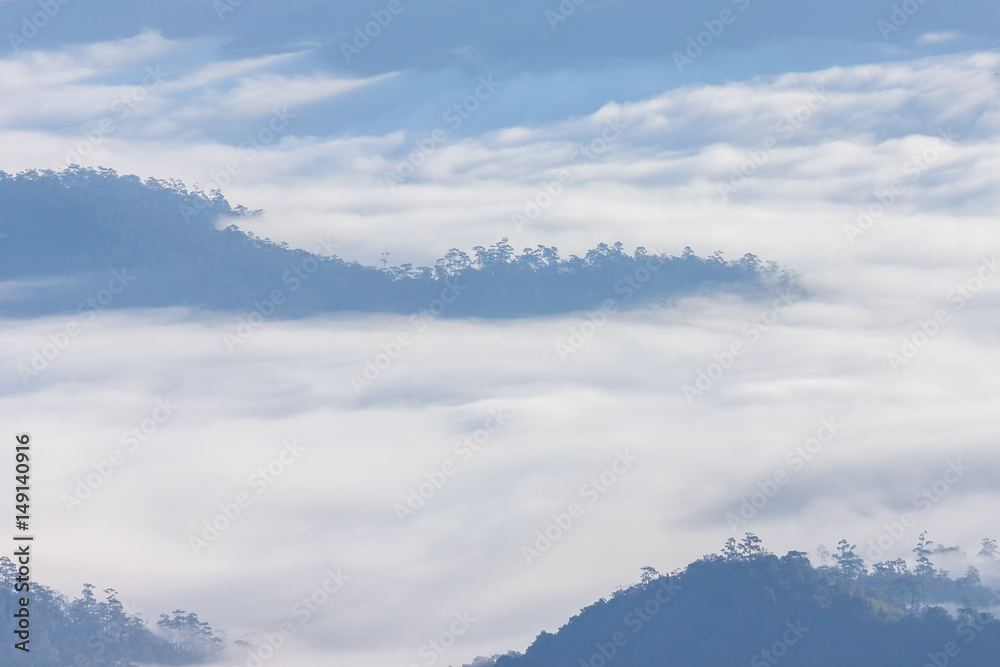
(90, 632)
(742, 606)
(749, 606)
(61, 234)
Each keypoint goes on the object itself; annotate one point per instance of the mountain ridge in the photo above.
(67, 231)
(747, 605)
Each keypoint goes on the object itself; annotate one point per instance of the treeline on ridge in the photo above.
(81, 224)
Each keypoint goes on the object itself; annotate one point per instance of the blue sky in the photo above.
(602, 50)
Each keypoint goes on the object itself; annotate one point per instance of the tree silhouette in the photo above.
(851, 565)
(92, 632)
(751, 547)
(989, 549)
(83, 223)
(728, 606)
(731, 550)
(923, 550)
(188, 633)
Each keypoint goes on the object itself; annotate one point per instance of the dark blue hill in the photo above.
(66, 232)
(750, 607)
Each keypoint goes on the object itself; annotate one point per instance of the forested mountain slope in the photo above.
(62, 235)
(750, 607)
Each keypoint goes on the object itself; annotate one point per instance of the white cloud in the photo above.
(655, 185)
(171, 88)
(939, 37)
(334, 508)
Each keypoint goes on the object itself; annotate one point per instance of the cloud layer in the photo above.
(872, 181)
(561, 424)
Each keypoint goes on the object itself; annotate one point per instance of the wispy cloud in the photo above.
(939, 37)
